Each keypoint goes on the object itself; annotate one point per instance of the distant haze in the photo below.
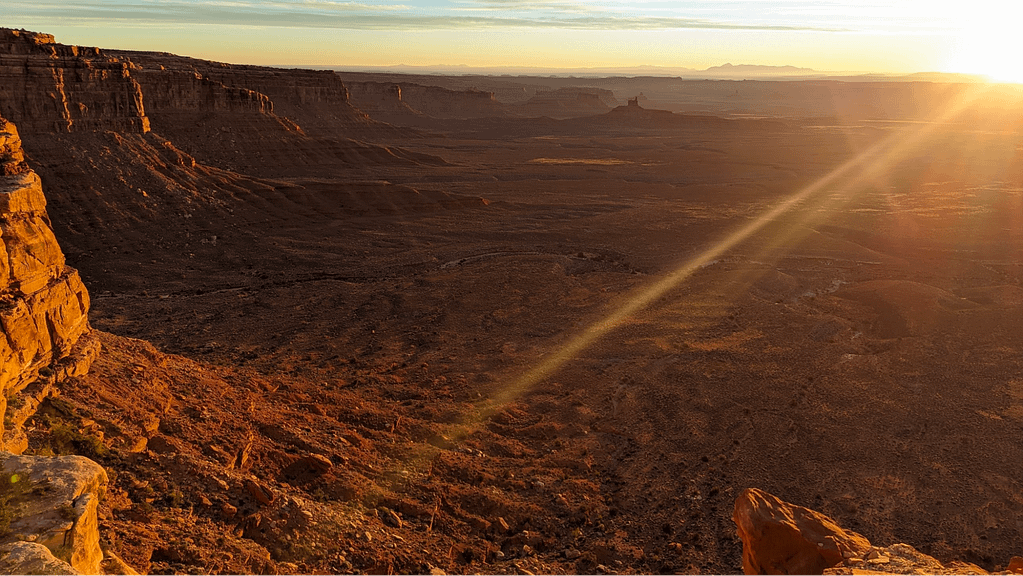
(569, 36)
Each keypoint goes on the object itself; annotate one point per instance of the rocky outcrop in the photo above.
(443, 103)
(31, 558)
(43, 304)
(170, 91)
(781, 538)
(568, 103)
(50, 87)
(380, 100)
(54, 506)
(315, 100)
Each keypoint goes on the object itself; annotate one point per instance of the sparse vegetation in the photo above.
(66, 511)
(12, 487)
(65, 437)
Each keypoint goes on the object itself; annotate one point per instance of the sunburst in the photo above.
(988, 44)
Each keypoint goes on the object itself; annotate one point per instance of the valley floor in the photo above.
(428, 366)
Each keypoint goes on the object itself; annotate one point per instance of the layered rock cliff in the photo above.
(43, 304)
(568, 103)
(45, 86)
(315, 100)
(443, 103)
(381, 100)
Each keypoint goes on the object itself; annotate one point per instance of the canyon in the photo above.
(310, 321)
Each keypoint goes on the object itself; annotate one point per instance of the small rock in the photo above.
(205, 502)
(501, 524)
(162, 445)
(242, 456)
(262, 494)
(228, 510)
(367, 536)
(318, 463)
(392, 518)
(527, 550)
(571, 554)
(437, 571)
(499, 555)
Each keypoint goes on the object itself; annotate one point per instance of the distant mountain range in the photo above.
(723, 72)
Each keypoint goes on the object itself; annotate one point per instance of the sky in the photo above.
(841, 35)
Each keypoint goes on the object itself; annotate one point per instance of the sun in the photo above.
(989, 45)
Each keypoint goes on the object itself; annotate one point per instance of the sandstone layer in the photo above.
(44, 304)
(316, 100)
(57, 508)
(45, 86)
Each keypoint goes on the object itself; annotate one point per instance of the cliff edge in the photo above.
(43, 304)
(83, 88)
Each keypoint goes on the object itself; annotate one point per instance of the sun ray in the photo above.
(864, 167)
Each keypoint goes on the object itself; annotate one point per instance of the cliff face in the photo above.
(43, 304)
(380, 99)
(315, 100)
(170, 91)
(51, 87)
(443, 103)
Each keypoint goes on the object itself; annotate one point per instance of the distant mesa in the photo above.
(757, 70)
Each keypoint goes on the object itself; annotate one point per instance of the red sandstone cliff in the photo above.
(315, 100)
(45, 86)
(381, 100)
(443, 103)
(43, 304)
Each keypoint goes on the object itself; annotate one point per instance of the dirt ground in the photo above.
(552, 352)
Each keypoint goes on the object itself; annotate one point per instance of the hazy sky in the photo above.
(846, 35)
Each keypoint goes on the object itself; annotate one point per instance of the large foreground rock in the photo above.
(31, 558)
(782, 538)
(57, 506)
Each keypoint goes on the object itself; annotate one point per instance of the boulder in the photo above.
(58, 509)
(31, 558)
(782, 538)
